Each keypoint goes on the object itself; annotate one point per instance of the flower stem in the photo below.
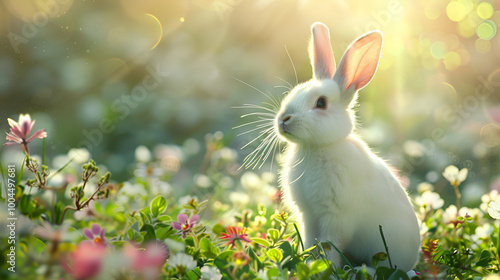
(458, 195)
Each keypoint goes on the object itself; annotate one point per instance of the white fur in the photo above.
(341, 190)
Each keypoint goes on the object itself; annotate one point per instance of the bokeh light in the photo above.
(485, 10)
(486, 30)
(456, 10)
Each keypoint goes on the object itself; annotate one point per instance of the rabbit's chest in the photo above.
(318, 183)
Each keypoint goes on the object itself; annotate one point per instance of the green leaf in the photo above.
(255, 261)
(158, 206)
(302, 271)
(26, 205)
(37, 245)
(275, 255)
(399, 275)
(484, 259)
(222, 260)
(318, 266)
(144, 217)
(110, 209)
(218, 229)
(378, 257)
(164, 218)
(58, 209)
(208, 249)
(150, 232)
(162, 231)
(273, 273)
(274, 234)
(194, 274)
(261, 241)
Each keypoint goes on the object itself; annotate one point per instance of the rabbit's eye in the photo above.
(321, 103)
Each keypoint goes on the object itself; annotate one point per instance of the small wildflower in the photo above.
(183, 226)
(481, 233)
(150, 259)
(487, 198)
(454, 176)
(429, 248)
(429, 200)
(19, 132)
(95, 235)
(148, 171)
(210, 273)
(182, 262)
(86, 261)
(142, 154)
(241, 258)
(235, 233)
(494, 209)
(423, 187)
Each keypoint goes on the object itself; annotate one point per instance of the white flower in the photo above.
(251, 181)
(487, 198)
(423, 187)
(130, 191)
(191, 146)
(423, 227)
(450, 214)
(239, 199)
(413, 148)
(79, 156)
(146, 171)
(182, 262)
(163, 151)
(454, 176)
(210, 273)
(202, 181)
(482, 232)
(142, 154)
(225, 154)
(473, 213)
(160, 187)
(494, 209)
(429, 199)
(262, 275)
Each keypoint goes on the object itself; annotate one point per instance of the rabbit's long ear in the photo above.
(320, 52)
(359, 64)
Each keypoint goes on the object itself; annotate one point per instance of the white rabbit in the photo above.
(341, 190)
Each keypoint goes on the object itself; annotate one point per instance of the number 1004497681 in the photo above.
(11, 188)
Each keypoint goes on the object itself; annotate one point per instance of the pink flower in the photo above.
(19, 132)
(95, 235)
(183, 226)
(149, 260)
(235, 233)
(85, 261)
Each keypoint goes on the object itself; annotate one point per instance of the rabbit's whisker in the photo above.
(253, 122)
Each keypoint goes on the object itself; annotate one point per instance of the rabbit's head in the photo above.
(318, 112)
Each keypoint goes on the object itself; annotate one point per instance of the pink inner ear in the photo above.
(322, 59)
(361, 74)
(361, 60)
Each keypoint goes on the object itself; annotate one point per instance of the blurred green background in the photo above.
(109, 76)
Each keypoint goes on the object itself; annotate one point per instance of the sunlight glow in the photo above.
(160, 30)
(453, 88)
